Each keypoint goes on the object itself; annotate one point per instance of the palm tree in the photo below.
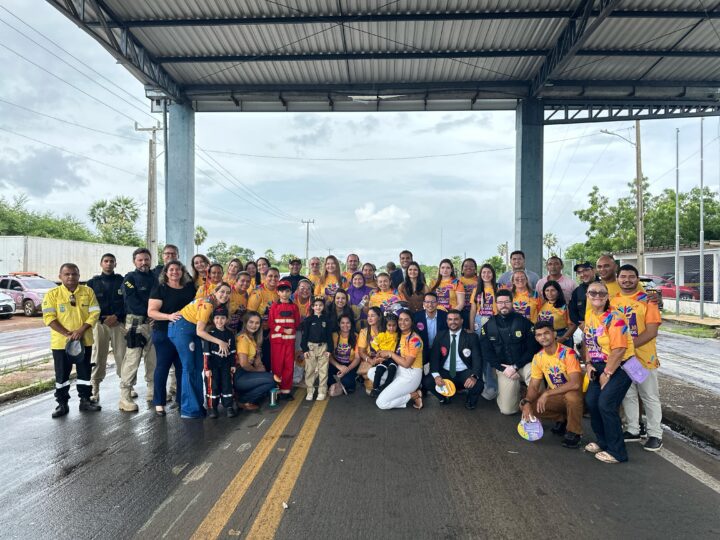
(200, 236)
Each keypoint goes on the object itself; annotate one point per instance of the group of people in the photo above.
(222, 339)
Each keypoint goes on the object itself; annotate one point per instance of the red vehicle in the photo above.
(666, 288)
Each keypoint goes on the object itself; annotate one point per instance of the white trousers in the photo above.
(397, 394)
(508, 398)
(650, 396)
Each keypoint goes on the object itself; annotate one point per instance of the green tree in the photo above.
(270, 256)
(115, 220)
(200, 236)
(285, 258)
(457, 263)
(550, 241)
(498, 263)
(17, 220)
(222, 253)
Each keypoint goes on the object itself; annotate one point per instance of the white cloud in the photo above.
(389, 215)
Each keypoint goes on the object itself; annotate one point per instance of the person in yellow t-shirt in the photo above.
(644, 320)
(260, 300)
(405, 385)
(199, 264)
(375, 323)
(71, 311)
(238, 300)
(214, 278)
(314, 273)
(331, 279)
(252, 269)
(352, 265)
(384, 297)
(235, 266)
(252, 382)
(469, 281)
(555, 310)
(526, 300)
(368, 272)
(450, 292)
(562, 401)
(344, 361)
(608, 344)
(263, 266)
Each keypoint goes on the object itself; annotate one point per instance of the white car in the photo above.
(7, 306)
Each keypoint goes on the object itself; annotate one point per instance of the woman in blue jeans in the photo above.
(174, 291)
(252, 381)
(185, 334)
(344, 361)
(608, 345)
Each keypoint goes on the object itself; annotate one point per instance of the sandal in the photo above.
(593, 448)
(605, 457)
(416, 396)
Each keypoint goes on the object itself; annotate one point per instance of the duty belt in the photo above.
(142, 319)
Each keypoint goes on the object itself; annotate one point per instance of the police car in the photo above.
(27, 289)
(7, 306)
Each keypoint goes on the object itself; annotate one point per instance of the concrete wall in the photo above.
(690, 307)
(45, 255)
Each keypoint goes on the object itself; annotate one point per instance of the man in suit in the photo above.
(455, 355)
(398, 275)
(429, 323)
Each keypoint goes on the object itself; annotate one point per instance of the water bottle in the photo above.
(273, 397)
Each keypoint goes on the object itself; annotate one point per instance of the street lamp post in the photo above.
(639, 204)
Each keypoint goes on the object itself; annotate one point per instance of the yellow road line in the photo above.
(268, 519)
(222, 510)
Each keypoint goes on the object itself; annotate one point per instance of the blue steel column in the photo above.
(529, 182)
(180, 182)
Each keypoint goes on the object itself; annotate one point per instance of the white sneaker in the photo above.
(321, 397)
(310, 394)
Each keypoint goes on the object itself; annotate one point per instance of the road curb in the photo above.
(30, 390)
(687, 425)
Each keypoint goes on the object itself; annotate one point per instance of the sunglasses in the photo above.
(73, 301)
(597, 294)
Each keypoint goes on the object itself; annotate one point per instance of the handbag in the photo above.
(635, 370)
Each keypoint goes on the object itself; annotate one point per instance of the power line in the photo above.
(69, 122)
(65, 150)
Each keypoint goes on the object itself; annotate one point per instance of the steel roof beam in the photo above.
(585, 112)
(579, 28)
(417, 17)
(381, 55)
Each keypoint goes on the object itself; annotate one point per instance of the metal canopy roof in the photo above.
(588, 60)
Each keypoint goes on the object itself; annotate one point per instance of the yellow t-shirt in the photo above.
(605, 332)
(56, 306)
(383, 300)
(314, 279)
(469, 284)
(613, 288)
(329, 287)
(555, 368)
(363, 342)
(527, 304)
(206, 289)
(247, 346)
(304, 309)
(238, 303)
(639, 313)
(260, 300)
(198, 310)
(446, 293)
(342, 352)
(560, 317)
(411, 346)
(485, 302)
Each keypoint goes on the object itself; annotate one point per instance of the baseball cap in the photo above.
(583, 266)
(295, 261)
(284, 284)
(220, 311)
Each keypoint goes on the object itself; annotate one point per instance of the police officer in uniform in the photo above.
(136, 291)
(71, 311)
(107, 287)
(508, 342)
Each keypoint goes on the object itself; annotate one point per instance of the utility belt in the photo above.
(140, 319)
(133, 338)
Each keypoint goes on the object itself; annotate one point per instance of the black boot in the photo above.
(87, 405)
(212, 413)
(61, 410)
(230, 411)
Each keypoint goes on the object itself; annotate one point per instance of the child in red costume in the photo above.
(283, 323)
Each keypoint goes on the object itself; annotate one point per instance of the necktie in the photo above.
(453, 354)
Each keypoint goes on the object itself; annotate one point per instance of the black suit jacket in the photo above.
(421, 325)
(467, 342)
(396, 278)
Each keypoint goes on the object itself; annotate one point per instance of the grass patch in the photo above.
(43, 386)
(692, 331)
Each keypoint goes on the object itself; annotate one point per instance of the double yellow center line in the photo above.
(268, 519)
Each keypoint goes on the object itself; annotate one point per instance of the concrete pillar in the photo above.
(529, 182)
(180, 183)
(716, 277)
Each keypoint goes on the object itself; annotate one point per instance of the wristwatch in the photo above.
(524, 402)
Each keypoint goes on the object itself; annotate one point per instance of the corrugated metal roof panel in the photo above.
(685, 69)
(598, 68)
(632, 34)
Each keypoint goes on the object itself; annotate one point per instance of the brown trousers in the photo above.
(566, 407)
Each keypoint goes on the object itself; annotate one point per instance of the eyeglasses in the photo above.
(73, 302)
(503, 302)
(597, 294)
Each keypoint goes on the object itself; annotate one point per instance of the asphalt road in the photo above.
(694, 360)
(343, 468)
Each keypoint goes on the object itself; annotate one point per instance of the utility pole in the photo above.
(307, 223)
(702, 223)
(677, 221)
(639, 205)
(151, 231)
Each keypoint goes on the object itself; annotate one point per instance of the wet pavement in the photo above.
(693, 360)
(22, 347)
(343, 468)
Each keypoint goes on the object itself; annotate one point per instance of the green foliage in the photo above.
(270, 256)
(430, 272)
(223, 254)
(498, 263)
(285, 258)
(17, 220)
(115, 220)
(200, 236)
(550, 241)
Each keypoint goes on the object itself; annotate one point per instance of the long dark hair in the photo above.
(352, 336)
(481, 284)
(560, 302)
(407, 284)
(195, 274)
(381, 321)
(346, 310)
(439, 276)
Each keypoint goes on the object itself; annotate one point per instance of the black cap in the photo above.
(583, 266)
(295, 261)
(220, 311)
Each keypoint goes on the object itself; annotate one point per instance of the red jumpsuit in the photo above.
(282, 346)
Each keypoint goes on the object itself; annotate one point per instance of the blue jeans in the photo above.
(183, 335)
(252, 386)
(348, 380)
(604, 416)
(166, 355)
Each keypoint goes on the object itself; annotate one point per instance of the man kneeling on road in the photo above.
(562, 401)
(71, 310)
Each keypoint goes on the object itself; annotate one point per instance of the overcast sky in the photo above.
(374, 208)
